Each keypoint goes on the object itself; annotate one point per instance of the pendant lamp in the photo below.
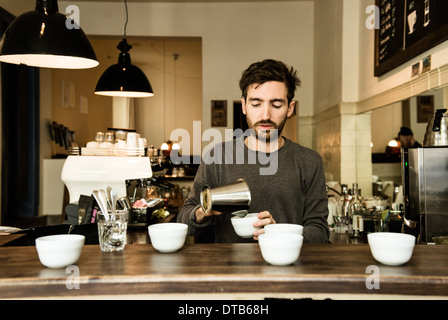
(43, 38)
(124, 79)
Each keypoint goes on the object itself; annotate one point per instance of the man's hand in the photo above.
(265, 218)
(201, 217)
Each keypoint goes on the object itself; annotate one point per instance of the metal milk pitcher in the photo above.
(437, 129)
(225, 197)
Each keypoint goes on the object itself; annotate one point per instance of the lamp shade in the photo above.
(42, 38)
(124, 79)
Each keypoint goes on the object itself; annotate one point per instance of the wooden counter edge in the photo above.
(219, 284)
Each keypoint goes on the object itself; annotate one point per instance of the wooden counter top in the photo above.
(223, 269)
(7, 239)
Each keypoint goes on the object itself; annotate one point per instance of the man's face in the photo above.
(405, 141)
(266, 107)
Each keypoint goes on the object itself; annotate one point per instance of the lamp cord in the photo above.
(126, 18)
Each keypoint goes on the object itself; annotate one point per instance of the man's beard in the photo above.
(267, 135)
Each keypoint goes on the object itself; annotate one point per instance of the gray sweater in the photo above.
(289, 183)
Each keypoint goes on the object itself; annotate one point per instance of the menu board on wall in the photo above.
(408, 28)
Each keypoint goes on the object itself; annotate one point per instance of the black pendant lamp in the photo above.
(42, 38)
(124, 79)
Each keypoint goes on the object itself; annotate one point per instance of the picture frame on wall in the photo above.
(68, 89)
(425, 108)
(219, 113)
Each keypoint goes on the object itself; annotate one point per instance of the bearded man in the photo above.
(286, 180)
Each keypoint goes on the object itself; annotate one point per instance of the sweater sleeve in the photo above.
(187, 212)
(315, 226)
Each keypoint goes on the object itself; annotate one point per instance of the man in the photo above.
(407, 139)
(286, 180)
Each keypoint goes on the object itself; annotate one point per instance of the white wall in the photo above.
(327, 54)
(177, 84)
(386, 123)
(340, 135)
(337, 52)
(233, 36)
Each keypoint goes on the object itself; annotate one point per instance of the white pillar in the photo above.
(123, 113)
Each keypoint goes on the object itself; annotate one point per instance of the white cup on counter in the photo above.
(168, 237)
(106, 145)
(280, 249)
(92, 145)
(121, 144)
(59, 251)
(131, 140)
(392, 249)
(142, 143)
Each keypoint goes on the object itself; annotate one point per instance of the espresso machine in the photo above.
(425, 191)
(83, 174)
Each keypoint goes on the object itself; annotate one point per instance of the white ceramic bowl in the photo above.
(284, 228)
(390, 248)
(168, 237)
(280, 249)
(244, 227)
(59, 251)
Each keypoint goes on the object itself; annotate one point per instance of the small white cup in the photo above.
(106, 145)
(168, 237)
(392, 249)
(280, 249)
(244, 227)
(59, 251)
(142, 143)
(92, 145)
(120, 144)
(131, 140)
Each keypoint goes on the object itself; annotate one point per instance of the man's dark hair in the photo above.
(405, 131)
(270, 70)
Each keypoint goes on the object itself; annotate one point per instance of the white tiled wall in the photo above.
(343, 139)
(327, 141)
(305, 131)
(364, 153)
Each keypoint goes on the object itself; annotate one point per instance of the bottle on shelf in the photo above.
(356, 212)
(340, 225)
(348, 212)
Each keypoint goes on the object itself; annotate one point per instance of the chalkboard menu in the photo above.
(408, 28)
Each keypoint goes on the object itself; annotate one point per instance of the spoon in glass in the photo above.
(114, 196)
(101, 202)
